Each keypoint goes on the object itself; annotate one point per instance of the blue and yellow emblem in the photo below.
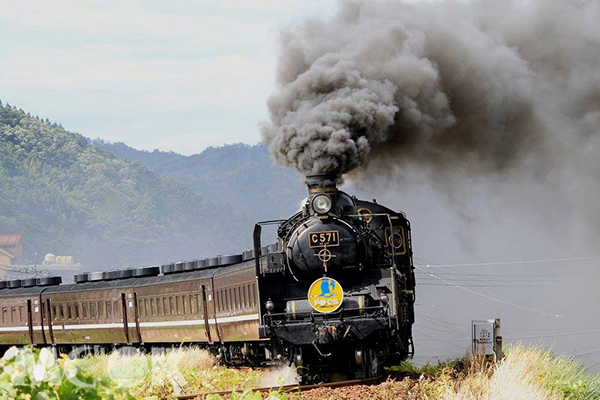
(325, 295)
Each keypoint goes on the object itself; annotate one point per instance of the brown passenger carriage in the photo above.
(200, 305)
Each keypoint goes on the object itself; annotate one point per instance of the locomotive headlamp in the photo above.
(269, 305)
(321, 203)
(384, 299)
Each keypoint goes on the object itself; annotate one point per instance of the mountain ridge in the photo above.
(242, 175)
(66, 195)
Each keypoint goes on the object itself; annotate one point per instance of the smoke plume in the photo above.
(481, 87)
(487, 116)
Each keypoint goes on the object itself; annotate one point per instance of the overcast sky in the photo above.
(175, 75)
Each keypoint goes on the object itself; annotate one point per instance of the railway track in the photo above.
(295, 387)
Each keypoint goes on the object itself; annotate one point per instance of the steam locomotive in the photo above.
(335, 294)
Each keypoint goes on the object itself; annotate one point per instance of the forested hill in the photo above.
(67, 196)
(241, 175)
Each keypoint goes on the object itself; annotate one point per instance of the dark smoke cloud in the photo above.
(482, 122)
(481, 87)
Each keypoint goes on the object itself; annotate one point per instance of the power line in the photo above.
(446, 331)
(489, 297)
(483, 277)
(427, 283)
(442, 323)
(442, 340)
(438, 321)
(586, 353)
(512, 262)
(555, 335)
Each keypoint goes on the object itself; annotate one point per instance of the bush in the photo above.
(174, 372)
(526, 373)
(36, 374)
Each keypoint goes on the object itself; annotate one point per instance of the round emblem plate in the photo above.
(325, 295)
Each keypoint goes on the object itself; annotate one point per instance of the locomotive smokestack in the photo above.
(322, 183)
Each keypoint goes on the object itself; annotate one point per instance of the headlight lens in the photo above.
(321, 203)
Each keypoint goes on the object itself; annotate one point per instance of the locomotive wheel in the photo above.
(373, 367)
(367, 363)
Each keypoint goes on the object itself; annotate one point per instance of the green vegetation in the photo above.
(566, 377)
(244, 176)
(525, 373)
(36, 374)
(68, 196)
(184, 371)
(427, 370)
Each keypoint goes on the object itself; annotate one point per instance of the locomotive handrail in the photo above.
(257, 242)
(340, 315)
(389, 218)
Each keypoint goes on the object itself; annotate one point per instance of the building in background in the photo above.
(13, 265)
(11, 250)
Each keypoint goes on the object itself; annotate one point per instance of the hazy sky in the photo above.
(177, 75)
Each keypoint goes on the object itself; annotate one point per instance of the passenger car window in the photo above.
(84, 310)
(253, 295)
(193, 303)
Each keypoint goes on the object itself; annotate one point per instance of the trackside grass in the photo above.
(526, 373)
(178, 371)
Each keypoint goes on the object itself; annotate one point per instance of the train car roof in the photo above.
(22, 291)
(128, 282)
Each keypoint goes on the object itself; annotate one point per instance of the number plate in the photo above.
(322, 239)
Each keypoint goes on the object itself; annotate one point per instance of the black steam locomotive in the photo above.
(339, 296)
(334, 295)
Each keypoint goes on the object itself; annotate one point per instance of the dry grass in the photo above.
(525, 374)
(180, 371)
